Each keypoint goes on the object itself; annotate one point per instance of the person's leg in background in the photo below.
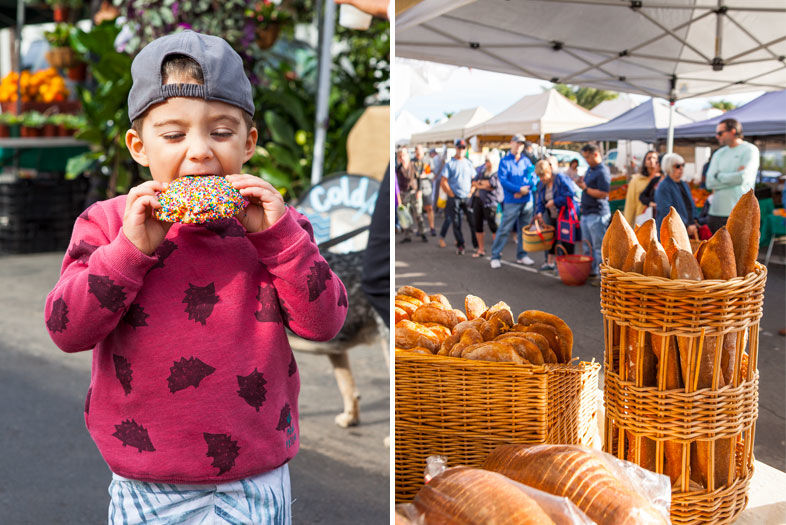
(445, 224)
(417, 214)
(456, 211)
(524, 218)
(466, 209)
(477, 225)
(510, 215)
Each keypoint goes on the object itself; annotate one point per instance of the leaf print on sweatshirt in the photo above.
(200, 301)
(252, 388)
(223, 449)
(58, 318)
(123, 372)
(163, 251)
(268, 298)
(187, 372)
(136, 316)
(318, 276)
(110, 295)
(285, 418)
(82, 251)
(342, 299)
(133, 434)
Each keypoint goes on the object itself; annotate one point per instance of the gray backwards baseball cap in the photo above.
(222, 68)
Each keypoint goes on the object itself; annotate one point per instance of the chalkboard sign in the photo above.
(338, 205)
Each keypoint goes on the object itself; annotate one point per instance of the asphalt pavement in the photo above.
(440, 270)
(53, 473)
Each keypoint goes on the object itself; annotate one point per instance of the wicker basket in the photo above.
(463, 409)
(696, 313)
(537, 238)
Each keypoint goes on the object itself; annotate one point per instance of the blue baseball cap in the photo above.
(222, 68)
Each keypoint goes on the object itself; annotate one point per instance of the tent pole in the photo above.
(326, 31)
(670, 139)
(20, 23)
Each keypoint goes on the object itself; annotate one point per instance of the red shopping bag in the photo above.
(568, 224)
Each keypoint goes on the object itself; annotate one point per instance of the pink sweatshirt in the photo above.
(193, 380)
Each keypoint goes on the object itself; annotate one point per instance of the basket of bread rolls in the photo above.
(681, 333)
(470, 379)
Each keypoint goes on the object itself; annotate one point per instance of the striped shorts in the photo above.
(263, 499)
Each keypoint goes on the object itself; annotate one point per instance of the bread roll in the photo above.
(578, 475)
(673, 235)
(497, 351)
(408, 307)
(525, 348)
(744, 227)
(474, 306)
(469, 337)
(410, 335)
(439, 298)
(564, 333)
(618, 241)
(458, 330)
(432, 314)
(411, 291)
(441, 331)
(492, 328)
(408, 299)
(548, 332)
(547, 354)
(467, 496)
(400, 314)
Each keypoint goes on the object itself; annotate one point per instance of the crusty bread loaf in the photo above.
(743, 225)
(578, 475)
(656, 262)
(525, 347)
(468, 496)
(458, 330)
(685, 266)
(497, 351)
(474, 306)
(717, 258)
(634, 262)
(408, 299)
(673, 234)
(410, 335)
(618, 241)
(400, 314)
(647, 233)
(439, 298)
(469, 337)
(563, 331)
(411, 291)
(429, 313)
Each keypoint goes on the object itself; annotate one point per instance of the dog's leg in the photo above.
(346, 385)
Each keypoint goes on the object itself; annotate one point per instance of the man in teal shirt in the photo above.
(732, 171)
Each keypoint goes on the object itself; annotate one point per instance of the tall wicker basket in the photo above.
(464, 409)
(649, 312)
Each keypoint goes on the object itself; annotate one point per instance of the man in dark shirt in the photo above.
(595, 211)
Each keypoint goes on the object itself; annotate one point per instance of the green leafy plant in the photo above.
(59, 36)
(10, 119)
(33, 119)
(585, 97)
(105, 109)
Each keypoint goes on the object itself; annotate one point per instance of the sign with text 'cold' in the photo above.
(338, 205)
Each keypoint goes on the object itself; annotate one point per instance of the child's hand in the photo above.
(267, 204)
(139, 226)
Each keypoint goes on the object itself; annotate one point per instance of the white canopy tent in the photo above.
(405, 125)
(615, 107)
(455, 127)
(541, 114)
(673, 49)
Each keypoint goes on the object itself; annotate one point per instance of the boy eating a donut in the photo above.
(194, 388)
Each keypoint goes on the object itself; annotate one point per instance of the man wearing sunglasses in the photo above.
(732, 171)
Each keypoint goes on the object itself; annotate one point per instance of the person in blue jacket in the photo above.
(554, 190)
(673, 191)
(516, 175)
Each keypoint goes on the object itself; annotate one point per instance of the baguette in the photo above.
(656, 262)
(469, 496)
(618, 241)
(647, 233)
(744, 228)
(717, 258)
(578, 475)
(673, 235)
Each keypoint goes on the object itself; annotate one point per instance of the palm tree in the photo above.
(585, 97)
(723, 105)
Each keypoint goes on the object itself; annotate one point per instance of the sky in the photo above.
(460, 88)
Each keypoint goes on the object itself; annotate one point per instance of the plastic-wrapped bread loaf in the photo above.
(581, 476)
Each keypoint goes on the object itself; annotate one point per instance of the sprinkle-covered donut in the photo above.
(199, 199)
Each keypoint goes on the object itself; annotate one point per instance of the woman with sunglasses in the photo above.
(673, 191)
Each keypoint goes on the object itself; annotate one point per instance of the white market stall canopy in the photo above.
(454, 128)
(646, 122)
(541, 114)
(615, 107)
(405, 125)
(673, 49)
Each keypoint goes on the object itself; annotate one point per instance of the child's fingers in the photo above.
(263, 195)
(246, 181)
